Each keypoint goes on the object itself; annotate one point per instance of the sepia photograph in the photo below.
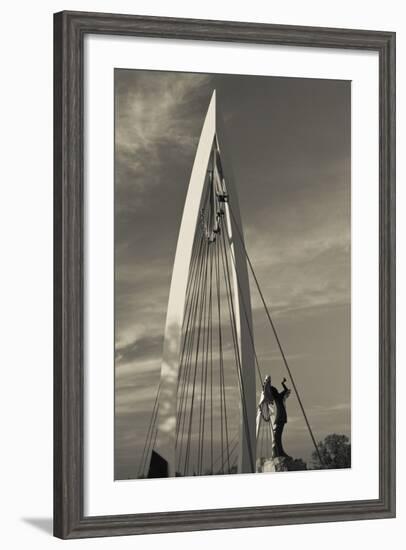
(232, 274)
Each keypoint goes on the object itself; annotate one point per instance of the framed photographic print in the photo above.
(224, 274)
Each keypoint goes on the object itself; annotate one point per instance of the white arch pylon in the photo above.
(212, 132)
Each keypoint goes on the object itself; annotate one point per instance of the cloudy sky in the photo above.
(289, 142)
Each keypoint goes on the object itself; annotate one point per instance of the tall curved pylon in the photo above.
(212, 139)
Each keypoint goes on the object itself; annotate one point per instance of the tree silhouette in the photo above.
(296, 465)
(335, 452)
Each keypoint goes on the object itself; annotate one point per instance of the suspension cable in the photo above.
(187, 455)
(148, 439)
(190, 355)
(236, 350)
(220, 344)
(246, 317)
(188, 370)
(277, 339)
(223, 398)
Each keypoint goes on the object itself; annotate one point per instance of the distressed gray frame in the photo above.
(69, 31)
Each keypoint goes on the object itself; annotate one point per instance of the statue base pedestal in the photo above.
(277, 464)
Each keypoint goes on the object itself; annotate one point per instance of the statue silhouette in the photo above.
(272, 409)
(280, 419)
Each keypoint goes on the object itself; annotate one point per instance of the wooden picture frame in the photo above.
(70, 29)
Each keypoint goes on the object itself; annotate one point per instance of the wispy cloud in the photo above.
(150, 118)
(142, 348)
